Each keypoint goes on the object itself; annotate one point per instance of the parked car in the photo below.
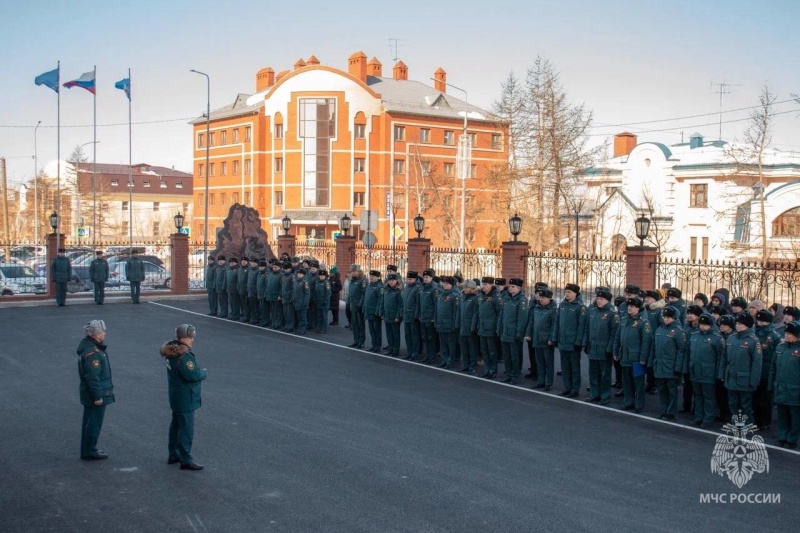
(20, 279)
(80, 271)
(155, 276)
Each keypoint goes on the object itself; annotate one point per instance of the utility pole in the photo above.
(5, 198)
(722, 89)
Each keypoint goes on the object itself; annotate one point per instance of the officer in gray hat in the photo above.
(97, 389)
(60, 273)
(511, 329)
(98, 273)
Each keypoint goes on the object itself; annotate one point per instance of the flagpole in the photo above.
(94, 166)
(58, 159)
(130, 171)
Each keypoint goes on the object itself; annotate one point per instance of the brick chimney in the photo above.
(312, 61)
(299, 64)
(400, 71)
(624, 143)
(440, 80)
(280, 75)
(265, 78)
(357, 65)
(374, 68)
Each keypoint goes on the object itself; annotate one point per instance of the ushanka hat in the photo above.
(487, 279)
(375, 273)
(412, 274)
(572, 287)
(706, 319)
(674, 292)
(635, 302)
(500, 281)
(669, 312)
(546, 293)
(746, 319)
(605, 294)
(793, 328)
(517, 282)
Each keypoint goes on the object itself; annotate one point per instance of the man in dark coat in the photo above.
(134, 273)
(336, 295)
(96, 390)
(211, 285)
(98, 273)
(741, 367)
(232, 282)
(183, 377)
(221, 285)
(568, 333)
(60, 273)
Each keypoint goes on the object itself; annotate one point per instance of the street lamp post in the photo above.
(642, 226)
(419, 225)
(208, 147)
(515, 226)
(54, 221)
(287, 224)
(36, 189)
(178, 220)
(94, 193)
(344, 223)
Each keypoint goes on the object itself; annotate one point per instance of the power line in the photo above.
(109, 125)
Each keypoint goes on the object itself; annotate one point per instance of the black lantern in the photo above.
(54, 221)
(178, 219)
(515, 226)
(419, 225)
(344, 223)
(287, 224)
(642, 225)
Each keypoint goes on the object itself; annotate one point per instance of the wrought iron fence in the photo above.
(197, 264)
(379, 257)
(322, 251)
(156, 256)
(22, 268)
(466, 263)
(588, 271)
(773, 282)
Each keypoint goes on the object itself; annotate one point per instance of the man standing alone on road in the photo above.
(134, 272)
(96, 388)
(184, 377)
(98, 273)
(60, 272)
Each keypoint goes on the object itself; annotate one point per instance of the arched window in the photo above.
(618, 245)
(360, 125)
(787, 224)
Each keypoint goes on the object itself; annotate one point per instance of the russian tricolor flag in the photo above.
(86, 81)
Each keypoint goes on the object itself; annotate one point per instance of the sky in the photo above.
(626, 61)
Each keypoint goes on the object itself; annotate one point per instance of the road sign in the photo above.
(336, 234)
(369, 220)
(369, 239)
(83, 232)
(184, 230)
(398, 231)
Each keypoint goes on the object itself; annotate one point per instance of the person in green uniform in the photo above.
(511, 325)
(322, 300)
(372, 297)
(232, 281)
(301, 296)
(287, 295)
(411, 315)
(741, 367)
(621, 303)
(784, 382)
(98, 273)
(762, 397)
(221, 285)
(725, 325)
(392, 313)
(355, 300)
(428, 296)
(540, 327)
(96, 389)
(601, 329)
(668, 359)
(313, 278)
(446, 321)
(261, 293)
(274, 280)
(134, 273)
(252, 292)
(184, 378)
(568, 333)
(211, 285)
(60, 273)
(467, 330)
(484, 323)
(241, 287)
(705, 354)
(632, 347)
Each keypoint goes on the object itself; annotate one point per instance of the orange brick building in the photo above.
(316, 142)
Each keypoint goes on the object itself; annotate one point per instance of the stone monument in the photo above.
(241, 235)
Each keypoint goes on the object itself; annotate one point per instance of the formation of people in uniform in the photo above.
(99, 272)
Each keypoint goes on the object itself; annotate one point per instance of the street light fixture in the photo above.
(208, 147)
(178, 219)
(54, 221)
(642, 225)
(515, 226)
(419, 225)
(344, 223)
(287, 224)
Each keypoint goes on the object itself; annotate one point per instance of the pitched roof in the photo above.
(146, 179)
(237, 108)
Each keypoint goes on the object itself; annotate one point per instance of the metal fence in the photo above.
(466, 263)
(379, 257)
(773, 282)
(156, 256)
(588, 271)
(322, 251)
(22, 268)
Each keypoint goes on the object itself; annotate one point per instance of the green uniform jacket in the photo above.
(392, 304)
(232, 279)
(513, 318)
(469, 308)
(98, 271)
(312, 279)
(322, 294)
(287, 287)
(221, 278)
(769, 342)
(274, 286)
(784, 375)
(411, 301)
(741, 362)
(653, 314)
(134, 270)
(705, 355)
(372, 299)
(301, 294)
(669, 351)
(601, 329)
(680, 305)
(60, 270)
(241, 281)
(541, 320)
(447, 312)
(570, 326)
(252, 282)
(211, 277)
(261, 283)
(487, 311)
(355, 294)
(428, 296)
(95, 372)
(183, 377)
(634, 340)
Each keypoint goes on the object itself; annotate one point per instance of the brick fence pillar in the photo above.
(640, 265)
(513, 259)
(419, 254)
(179, 263)
(286, 244)
(54, 242)
(345, 252)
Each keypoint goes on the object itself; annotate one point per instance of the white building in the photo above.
(703, 197)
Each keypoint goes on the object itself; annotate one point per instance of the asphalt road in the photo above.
(298, 435)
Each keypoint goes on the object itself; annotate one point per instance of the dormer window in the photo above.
(115, 183)
(147, 184)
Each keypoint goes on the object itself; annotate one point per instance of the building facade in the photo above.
(315, 142)
(706, 200)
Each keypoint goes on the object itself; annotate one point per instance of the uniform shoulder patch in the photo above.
(190, 365)
(96, 363)
(647, 326)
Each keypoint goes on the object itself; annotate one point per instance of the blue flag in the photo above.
(124, 85)
(48, 79)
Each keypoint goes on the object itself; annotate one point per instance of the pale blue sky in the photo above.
(628, 61)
